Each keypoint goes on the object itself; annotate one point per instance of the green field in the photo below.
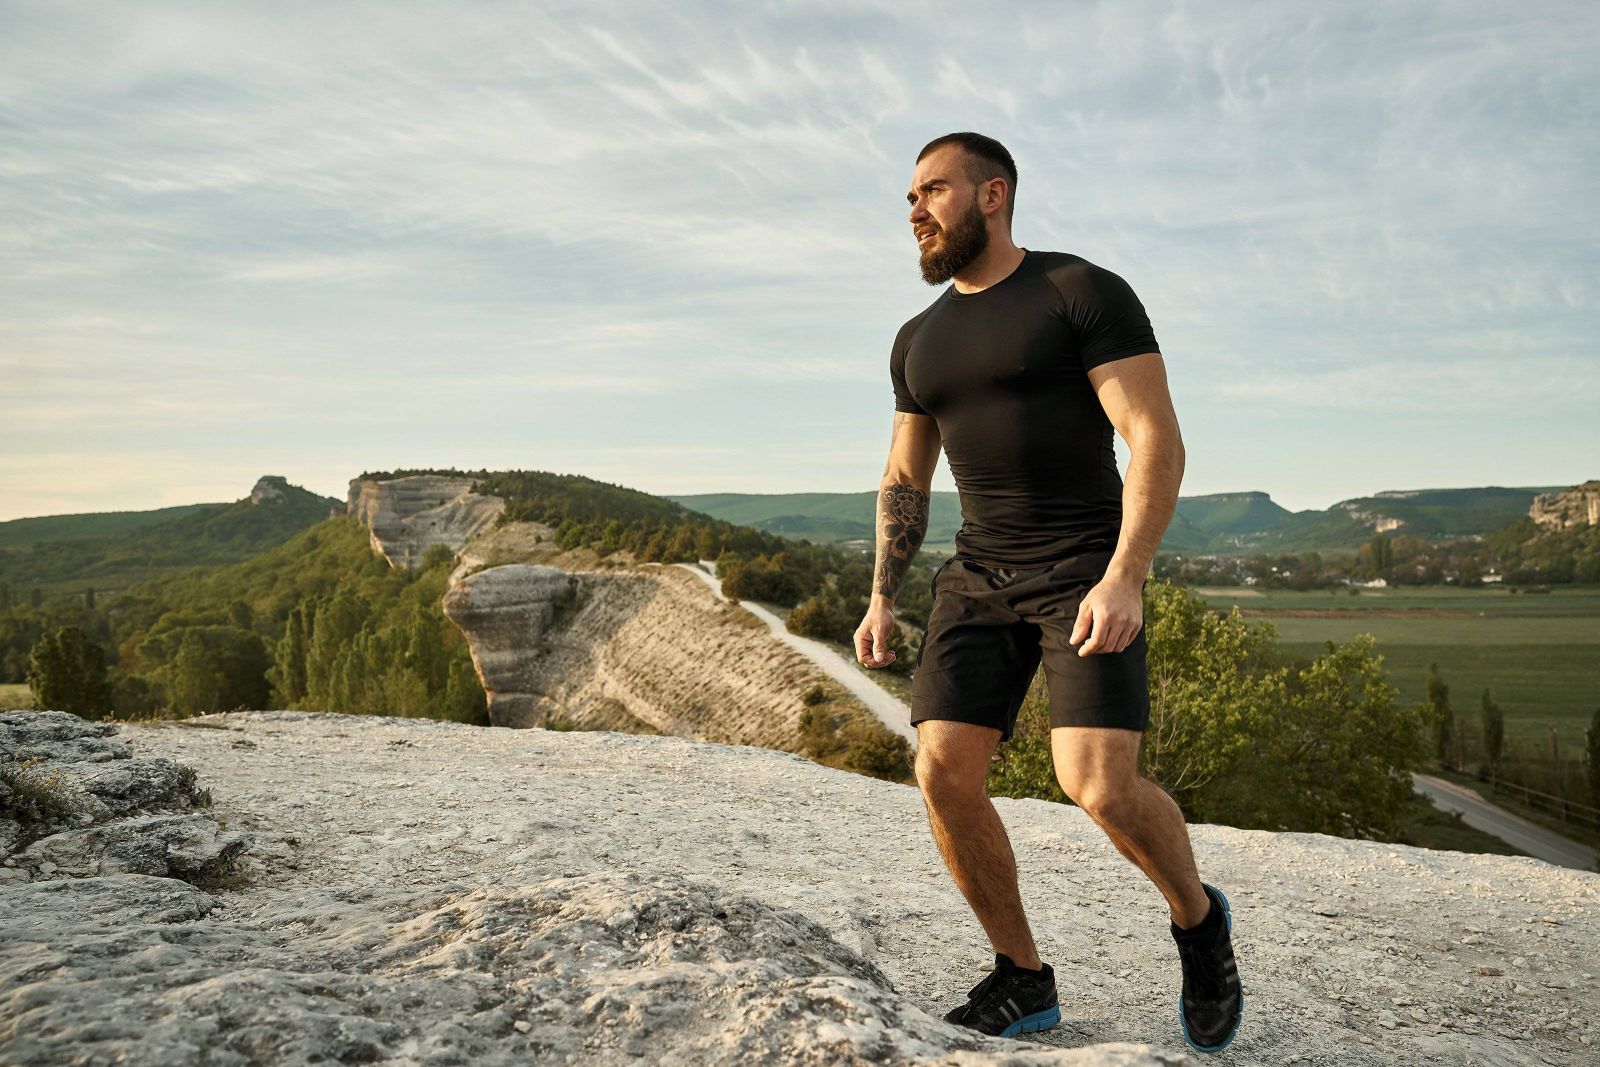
(1538, 654)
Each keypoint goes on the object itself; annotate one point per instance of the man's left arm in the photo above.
(1133, 392)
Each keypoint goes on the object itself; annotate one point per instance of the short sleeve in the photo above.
(903, 400)
(1108, 317)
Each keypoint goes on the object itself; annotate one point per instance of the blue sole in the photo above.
(1039, 1020)
(1227, 914)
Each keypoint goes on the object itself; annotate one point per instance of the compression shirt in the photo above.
(1003, 372)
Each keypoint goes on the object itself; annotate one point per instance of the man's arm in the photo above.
(903, 495)
(1133, 392)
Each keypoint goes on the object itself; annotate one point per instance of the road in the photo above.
(1479, 814)
(890, 709)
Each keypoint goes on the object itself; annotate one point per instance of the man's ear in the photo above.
(995, 193)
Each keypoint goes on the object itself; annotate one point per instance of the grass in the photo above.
(15, 696)
(1426, 826)
(1533, 652)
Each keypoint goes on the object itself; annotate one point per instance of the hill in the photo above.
(102, 554)
(1213, 524)
(418, 891)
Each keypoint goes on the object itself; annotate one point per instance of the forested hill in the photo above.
(48, 556)
(1212, 524)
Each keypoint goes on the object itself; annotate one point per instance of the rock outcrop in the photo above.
(1578, 506)
(74, 803)
(645, 651)
(269, 487)
(498, 897)
(408, 516)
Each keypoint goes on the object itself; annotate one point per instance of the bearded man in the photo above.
(1020, 370)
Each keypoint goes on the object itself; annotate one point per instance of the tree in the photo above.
(1594, 757)
(1440, 718)
(67, 672)
(1494, 733)
(218, 668)
(88, 599)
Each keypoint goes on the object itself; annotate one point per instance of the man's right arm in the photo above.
(903, 497)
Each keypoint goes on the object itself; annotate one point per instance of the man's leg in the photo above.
(952, 769)
(1098, 767)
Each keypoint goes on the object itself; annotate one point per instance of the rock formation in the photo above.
(407, 516)
(268, 487)
(641, 650)
(1578, 506)
(646, 651)
(459, 895)
(75, 803)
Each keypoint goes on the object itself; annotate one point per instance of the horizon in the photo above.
(795, 492)
(235, 239)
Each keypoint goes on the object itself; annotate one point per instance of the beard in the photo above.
(956, 247)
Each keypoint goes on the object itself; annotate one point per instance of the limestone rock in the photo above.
(76, 803)
(191, 847)
(628, 652)
(591, 969)
(1578, 506)
(407, 516)
(507, 614)
(62, 771)
(269, 487)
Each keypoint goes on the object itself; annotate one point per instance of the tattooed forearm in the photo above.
(902, 523)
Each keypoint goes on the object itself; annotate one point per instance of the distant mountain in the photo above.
(1214, 524)
(111, 550)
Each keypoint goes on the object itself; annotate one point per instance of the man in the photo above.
(1020, 370)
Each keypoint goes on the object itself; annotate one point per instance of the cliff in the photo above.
(1578, 506)
(407, 516)
(426, 892)
(560, 636)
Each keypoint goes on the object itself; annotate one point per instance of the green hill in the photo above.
(105, 553)
(24, 533)
(1213, 524)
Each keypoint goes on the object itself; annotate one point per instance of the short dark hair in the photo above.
(986, 158)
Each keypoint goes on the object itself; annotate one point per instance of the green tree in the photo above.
(88, 599)
(218, 668)
(1440, 717)
(1594, 757)
(67, 672)
(1494, 733)
(288, 674)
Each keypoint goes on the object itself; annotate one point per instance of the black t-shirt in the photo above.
(1004, 373)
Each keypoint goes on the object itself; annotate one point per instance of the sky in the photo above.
(666, 246)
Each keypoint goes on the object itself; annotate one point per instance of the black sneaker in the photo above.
(1010, 1001)
(1212, 1002)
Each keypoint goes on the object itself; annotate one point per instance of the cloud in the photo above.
(278, 219)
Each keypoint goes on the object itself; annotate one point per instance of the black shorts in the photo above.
(990, 627)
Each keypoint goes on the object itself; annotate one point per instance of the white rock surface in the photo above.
(449, 894)
(408, 516)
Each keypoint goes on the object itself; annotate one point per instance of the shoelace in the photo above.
(1209, 984)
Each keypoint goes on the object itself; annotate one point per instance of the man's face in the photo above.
(950, 229)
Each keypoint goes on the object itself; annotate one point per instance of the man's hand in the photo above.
(872, 636)
(1110, 616)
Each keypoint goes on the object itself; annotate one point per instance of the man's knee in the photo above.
(1107, 799)
(953, 760)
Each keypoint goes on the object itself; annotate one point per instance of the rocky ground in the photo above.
(396, 891)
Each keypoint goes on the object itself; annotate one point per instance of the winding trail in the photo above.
(890, 709)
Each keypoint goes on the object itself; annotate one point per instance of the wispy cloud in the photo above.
(312, 220)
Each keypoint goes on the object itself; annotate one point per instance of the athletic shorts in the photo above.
(989, 629)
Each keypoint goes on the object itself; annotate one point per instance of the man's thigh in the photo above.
(1094, 755)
